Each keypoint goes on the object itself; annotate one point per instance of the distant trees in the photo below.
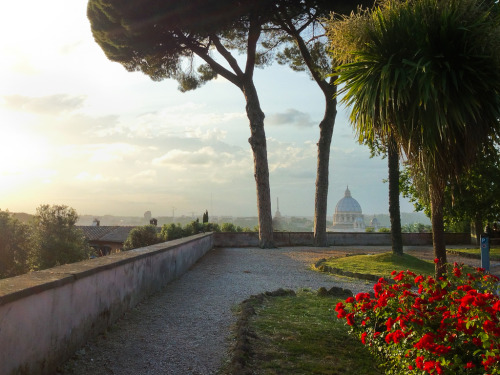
(49, 240)
(54, 239)
(141, 237)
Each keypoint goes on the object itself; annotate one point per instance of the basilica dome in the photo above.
(348, 203)
(348, 216)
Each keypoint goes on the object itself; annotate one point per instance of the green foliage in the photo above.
(384, 230)
(55, 239)
(416, 228)
(410, 73)
(420, 325)
(230, 227)
(211, 227)
(14, 246)
(141, 237)
(395, 61)
(172, 231)
(476, 194)
(369, 229)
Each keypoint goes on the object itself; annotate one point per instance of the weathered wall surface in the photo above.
(336, 239)
(46, 315)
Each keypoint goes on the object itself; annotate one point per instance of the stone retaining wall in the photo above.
(336, 239)
(46, 315)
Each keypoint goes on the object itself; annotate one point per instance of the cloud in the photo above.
(290, 117)
(182, 160)
(146, 177)
(86, 176)
(52, 104)
(100, 153)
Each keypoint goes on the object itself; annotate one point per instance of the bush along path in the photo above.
(420, 325)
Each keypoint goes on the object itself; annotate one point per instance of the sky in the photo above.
(78, 129)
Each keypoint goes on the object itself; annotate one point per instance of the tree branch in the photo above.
(253, 36)
(226, 54)
(288, 25)
(201, 51)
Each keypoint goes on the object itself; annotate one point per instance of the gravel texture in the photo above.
(185, 328)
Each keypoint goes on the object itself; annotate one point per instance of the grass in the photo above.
(476, 253)
(382, 264)
(301, 335)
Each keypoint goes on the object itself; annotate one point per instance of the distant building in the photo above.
(106, 239)
(277, 219)
(348, 216)
(375, 224)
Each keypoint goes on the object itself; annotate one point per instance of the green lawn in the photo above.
(381, 264)
(476, 253)
(301, 335)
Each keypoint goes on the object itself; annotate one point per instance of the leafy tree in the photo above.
(230, 227)
(416, 228)
(300, 34)
(474, 197)
(142, 236)
(14, 246)
(427, 73)
(162, 39)
(205, 217)
(56, 240)
(192, 228)
(171, 232)
(211, 227)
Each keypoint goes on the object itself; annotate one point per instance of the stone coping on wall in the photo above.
(38, 281)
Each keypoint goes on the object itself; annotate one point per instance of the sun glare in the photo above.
(22, 154)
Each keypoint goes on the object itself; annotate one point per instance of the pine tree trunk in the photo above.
(257, 141)
(438, 240)
(321, 195)
(394, 211)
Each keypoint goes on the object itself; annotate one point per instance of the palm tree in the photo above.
(426, 72)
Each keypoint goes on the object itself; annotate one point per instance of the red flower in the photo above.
(350, 319)
(470, 365)
(436, 260)
(363, 338)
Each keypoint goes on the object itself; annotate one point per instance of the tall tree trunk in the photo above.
(321, 195)
(394, 211)
(257, 141)
(438, 240)
(478, 228)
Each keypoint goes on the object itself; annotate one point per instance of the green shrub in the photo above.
(420, 325)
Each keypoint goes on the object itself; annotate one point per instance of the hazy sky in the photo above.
(78, 129)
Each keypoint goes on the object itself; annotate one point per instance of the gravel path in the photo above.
(185, 328)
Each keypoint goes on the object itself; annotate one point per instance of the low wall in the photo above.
(46, 315)
(250, 239)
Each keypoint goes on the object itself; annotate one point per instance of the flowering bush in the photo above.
(419, 325)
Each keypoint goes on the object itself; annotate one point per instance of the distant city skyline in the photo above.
(80, 130)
